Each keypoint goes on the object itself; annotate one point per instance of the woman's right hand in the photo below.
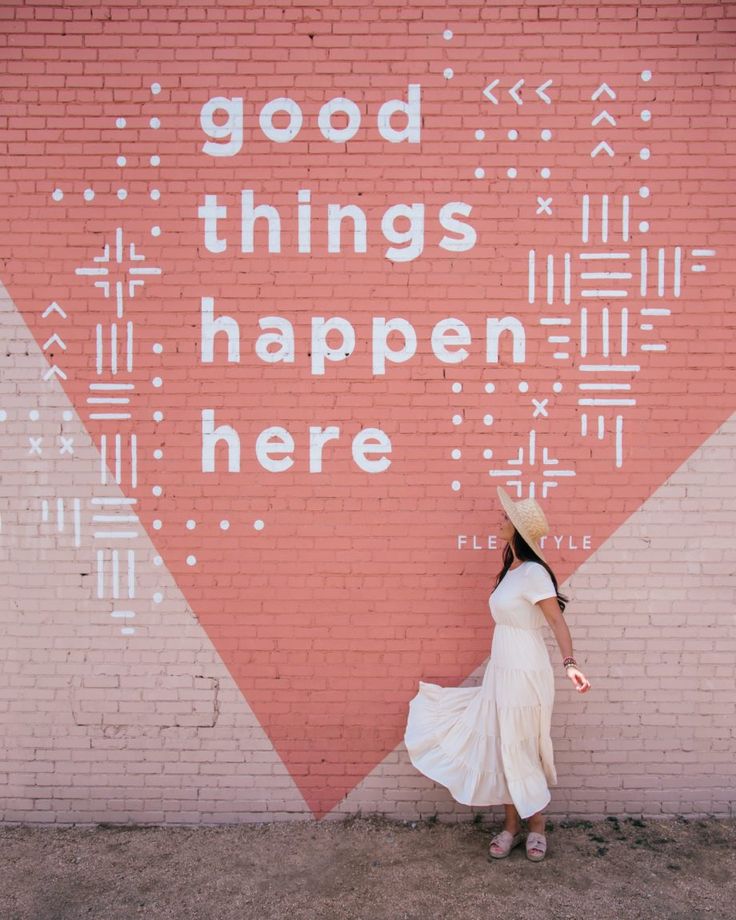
(581, 682)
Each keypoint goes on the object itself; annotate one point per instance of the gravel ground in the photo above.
(370, 867)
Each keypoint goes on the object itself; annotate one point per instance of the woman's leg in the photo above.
(512, 822)
(536, 822)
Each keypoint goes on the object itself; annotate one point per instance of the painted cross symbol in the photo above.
(133, 282)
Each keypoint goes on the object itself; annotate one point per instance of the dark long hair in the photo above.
(526, 553)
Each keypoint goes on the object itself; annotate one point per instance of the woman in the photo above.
(491, 744)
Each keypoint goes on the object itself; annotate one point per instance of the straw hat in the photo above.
(527, 517)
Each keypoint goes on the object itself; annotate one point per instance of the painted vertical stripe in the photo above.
(660, 271)
(604, 218)
(531, 276)
(643, 286)
(114, 348)
(584, 331)
(99, 348)
(624, 330)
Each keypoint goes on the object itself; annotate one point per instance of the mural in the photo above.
(312, 315)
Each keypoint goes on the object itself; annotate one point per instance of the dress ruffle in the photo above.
(489, 744)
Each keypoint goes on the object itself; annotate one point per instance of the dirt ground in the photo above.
(370, 868)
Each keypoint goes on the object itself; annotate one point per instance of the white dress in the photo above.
(491, 744)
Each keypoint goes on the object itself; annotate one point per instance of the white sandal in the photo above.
(536, 842)
(504, 842)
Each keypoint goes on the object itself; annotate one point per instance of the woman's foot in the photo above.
(536, 842)
(536, 846)
(503, 843)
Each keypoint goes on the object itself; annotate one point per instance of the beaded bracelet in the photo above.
(569, 662)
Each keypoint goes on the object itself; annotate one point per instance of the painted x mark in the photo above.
(539, 407)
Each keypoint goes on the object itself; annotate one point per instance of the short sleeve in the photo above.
(538, 584)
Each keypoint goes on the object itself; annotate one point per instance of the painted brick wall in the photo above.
(248, 458)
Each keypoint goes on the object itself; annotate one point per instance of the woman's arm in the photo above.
(554, 616)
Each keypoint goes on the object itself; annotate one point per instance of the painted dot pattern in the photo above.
(121, 160)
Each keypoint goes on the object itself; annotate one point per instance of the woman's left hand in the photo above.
(581, 682)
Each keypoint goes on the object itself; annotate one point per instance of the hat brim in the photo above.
(508, 505)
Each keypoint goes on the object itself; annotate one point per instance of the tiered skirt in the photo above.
(491, 744)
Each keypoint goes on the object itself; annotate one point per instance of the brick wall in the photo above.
(249, 447)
